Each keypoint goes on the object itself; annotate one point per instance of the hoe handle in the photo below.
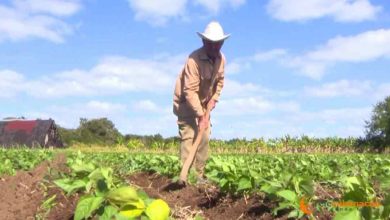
(190, 158)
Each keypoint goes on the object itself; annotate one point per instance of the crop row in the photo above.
(286, 179)
(274, 145)
(21, 159)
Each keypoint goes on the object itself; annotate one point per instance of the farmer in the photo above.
(198, 87)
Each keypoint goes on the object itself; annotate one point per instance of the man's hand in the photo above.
(203, 122)
(211, 104)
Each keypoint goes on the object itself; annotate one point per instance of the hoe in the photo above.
(190, 159)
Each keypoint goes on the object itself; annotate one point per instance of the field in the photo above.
(244, 183)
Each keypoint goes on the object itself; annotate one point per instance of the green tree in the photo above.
(378, 128)
(68, 136)
(97, 131)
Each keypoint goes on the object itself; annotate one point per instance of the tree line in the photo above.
(102, 131)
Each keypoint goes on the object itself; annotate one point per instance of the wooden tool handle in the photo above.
(190, 158)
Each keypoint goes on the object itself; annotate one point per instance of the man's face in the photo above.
(212, 48)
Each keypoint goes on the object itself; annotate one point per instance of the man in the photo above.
(197, 89)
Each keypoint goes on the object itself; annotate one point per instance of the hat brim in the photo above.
(213, 38)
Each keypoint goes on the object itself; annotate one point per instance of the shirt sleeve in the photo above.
(191, 86)
(220, 80)
(219, 85)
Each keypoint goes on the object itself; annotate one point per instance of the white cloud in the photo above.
(54, 7)
(147, 106)
(269, 55)
(342, 122)
(124, 119)
(36, 19)
(289, 106)
(158, 12)
(339, 10)
(104, 106)
(244, 63)
(382, 91)
(233, 68)
(340, 88)
(350, 116)
(242, 106)
(164, 125)
(296, 123)
(68, 115)
(253, 106)
(366, 46)
(11, 83)
(215, 6)
(236, 89)
(113, 75)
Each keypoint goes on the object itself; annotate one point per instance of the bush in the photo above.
(94, 131)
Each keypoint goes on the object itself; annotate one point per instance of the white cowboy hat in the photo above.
(213, 32)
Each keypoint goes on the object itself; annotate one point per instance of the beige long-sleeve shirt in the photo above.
(200, 80)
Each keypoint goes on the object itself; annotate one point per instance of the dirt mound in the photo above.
(203, 200)
(22, 195)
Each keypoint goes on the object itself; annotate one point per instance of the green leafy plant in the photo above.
(103, 198)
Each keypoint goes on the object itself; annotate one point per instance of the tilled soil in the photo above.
(203, 200)
(22, 195)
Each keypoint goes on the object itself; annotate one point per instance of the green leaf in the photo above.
(288, 195)
(366, 212)
(142, 194)
(122, 195)
(386, 207)
(294, 213)
(348, 215)
(107, 172)
(96, 174)
(268, 189)
(86, 206)
(307, 186)
(385, 183)
(122, 217)
(69, 185)
(197, 217)
(349, 182)
(83, 167)
(133, 209)
(281, 206)
(355, 195)
(244, 183)
(101, 186)
(109, 212)
(223, 182)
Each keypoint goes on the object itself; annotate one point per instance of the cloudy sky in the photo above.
(313, 67)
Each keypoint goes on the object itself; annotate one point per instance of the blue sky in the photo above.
(313, 67)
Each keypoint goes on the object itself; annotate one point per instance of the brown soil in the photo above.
(203, 200)
(22, 195)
